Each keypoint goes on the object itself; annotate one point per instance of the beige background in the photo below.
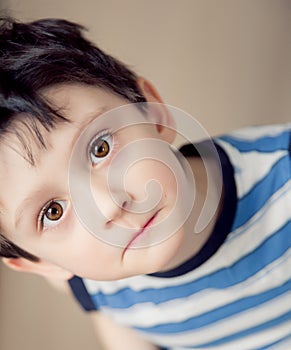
(227, 62)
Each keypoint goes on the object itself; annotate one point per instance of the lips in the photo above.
(140, 232)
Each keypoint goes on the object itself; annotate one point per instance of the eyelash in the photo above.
(42, 212)
(103, 134)
(41, 215)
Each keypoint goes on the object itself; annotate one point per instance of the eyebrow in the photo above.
(20, 211)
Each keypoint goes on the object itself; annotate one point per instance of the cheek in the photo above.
(83, 254)
(95, 259)
(143, 173)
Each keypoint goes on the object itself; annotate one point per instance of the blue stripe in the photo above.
(262, 144)
(221, 313)
(260, 328)
(273, 248)
(269, 205)
(254, 200)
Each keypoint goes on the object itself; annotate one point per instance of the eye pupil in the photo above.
(54, 212)
(101, 149)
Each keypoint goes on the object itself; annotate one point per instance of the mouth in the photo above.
(139, 233)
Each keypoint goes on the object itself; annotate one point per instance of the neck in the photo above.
(208, 191)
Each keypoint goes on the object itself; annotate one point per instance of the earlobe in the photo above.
(40, 267)
(160, 114)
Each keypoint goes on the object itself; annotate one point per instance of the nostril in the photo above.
(118, 212)
(108, 224)
(124, 205)
(119, 204)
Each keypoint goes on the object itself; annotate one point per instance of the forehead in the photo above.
(77, 102)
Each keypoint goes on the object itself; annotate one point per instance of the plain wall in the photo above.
(227, 63)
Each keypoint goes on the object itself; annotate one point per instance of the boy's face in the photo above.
(37, 211)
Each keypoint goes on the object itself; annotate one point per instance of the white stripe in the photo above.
(245, 320)
(250, 167)
(253, 133)
(179, 310)
(264, 223)
(284, 345)
(260, 340)
(280, 198)
(254, 166)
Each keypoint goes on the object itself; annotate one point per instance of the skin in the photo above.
(64, 246)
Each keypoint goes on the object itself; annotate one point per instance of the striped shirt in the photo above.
(234, 294)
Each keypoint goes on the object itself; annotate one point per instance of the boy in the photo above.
(136, 258)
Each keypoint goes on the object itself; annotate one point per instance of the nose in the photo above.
(112, 202)
(114, 207)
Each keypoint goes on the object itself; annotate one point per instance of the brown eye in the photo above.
(100, 148)
(54, 211)
(52, 214)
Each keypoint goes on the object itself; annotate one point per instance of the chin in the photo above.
(156, 258)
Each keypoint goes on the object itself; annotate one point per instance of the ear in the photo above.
(149, 91)
(160, 114)
(40, 267)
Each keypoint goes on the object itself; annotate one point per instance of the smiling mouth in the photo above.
(143, 230)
